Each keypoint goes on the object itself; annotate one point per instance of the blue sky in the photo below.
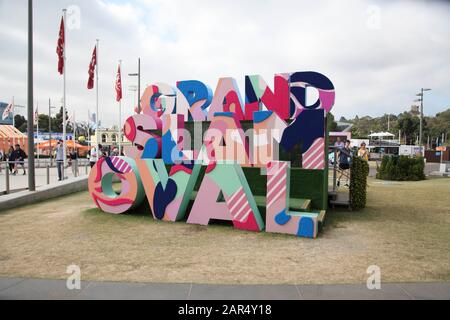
(378, 54)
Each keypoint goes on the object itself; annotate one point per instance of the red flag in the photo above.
(118, 85)
(60, 47)
(92, 66)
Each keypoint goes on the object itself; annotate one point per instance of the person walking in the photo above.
(74, 161)
(60, 160)
(93, 156)
(344, 162)
(11, 159)
(2, 158)
(19, 159)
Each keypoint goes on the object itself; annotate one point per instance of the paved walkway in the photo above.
(20, 181)
(20, 288)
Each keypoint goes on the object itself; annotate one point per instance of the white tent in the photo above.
(381, 134)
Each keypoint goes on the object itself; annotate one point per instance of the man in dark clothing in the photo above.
(11, 160)
(344, 161)
(19, 157)
(73, 157)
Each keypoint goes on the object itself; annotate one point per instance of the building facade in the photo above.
(109, 139)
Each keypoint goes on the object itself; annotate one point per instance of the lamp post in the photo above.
(14, 106)
(31, 176)
(50, 128)
(133, 89)
(422, 90)
(138, 74)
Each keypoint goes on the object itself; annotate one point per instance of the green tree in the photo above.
(43, 122)
(20, 123)
(331, 123)
(58, 125)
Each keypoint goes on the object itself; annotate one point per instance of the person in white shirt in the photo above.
(60, 159)
(93, 156)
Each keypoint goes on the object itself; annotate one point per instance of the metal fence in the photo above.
(45, 173)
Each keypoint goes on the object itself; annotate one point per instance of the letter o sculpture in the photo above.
(101, 185)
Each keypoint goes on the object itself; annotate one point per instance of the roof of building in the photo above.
(8, 131)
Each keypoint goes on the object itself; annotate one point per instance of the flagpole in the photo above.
(74, 127)
(14, 114)
(88, 130)
(30, 94)
(50, 129)
(37, 128)
(120, 111)
(96, 116)
(64, 98)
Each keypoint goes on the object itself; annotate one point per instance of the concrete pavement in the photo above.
(38, 289)
(20, 182)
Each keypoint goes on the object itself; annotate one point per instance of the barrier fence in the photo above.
(45, 173)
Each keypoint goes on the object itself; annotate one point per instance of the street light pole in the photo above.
(120, 111)
(138, 74)
(50, 128)
(133, 89)
(97, 130)
(421, 117)
(14, 113)
(30, 133)
(421, 95)
(139, 85)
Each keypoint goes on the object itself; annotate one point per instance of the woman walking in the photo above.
(11, 159)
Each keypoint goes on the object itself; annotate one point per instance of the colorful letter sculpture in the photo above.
(226, 179)
(101, 188)
(278, 217)
(168, 194)
(164, 162)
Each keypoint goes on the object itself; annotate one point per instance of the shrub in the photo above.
(382, 169)
(358, 183)
(401, 168)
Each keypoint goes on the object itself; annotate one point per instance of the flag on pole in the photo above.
(92, 66)
(118, 85)
(36, 115)
(71, 119)
(74, 123)
(7, 111)
(92, 117)
(68, 120)
(60, 47)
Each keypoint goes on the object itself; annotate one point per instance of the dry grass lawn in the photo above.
(405, 230)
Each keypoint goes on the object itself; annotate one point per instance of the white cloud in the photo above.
(374, 69)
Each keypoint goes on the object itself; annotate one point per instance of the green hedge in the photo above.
(358, 183)
(304, 184)
(401, 168)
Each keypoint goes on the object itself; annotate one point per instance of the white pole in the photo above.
(74, 127)
(88, 129)
(97, 115)
(37, 127)
(64, 96)
(14, 113)
(120, 112)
